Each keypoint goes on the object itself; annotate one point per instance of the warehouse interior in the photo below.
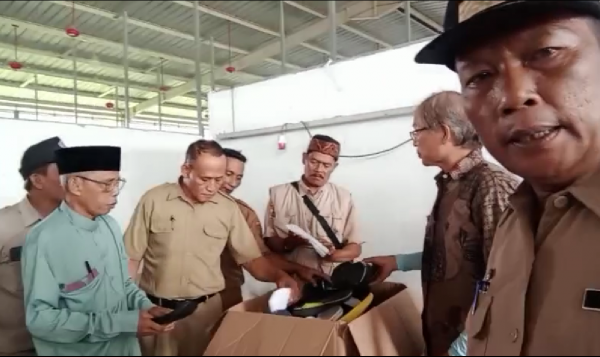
(266, 73)
(88, 60)
(280, 178)
(261, 77)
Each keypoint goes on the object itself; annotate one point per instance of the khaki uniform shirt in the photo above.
(15, 222)
(234, 277)
(458, 239)
(539, 269)
(181, 243)
(287, 207)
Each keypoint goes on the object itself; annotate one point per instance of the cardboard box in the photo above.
(392, 327)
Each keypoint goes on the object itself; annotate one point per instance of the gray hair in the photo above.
(448, 108)
(64, 182)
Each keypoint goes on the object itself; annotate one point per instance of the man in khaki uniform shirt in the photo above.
(179, 231)
(234, 277)
(335, 205)
(44, 194)
(529, 75)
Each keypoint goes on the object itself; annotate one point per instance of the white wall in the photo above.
(386, 80)
(148, 158)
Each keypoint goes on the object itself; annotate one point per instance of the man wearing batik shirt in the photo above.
(472, 194)
(337, 226)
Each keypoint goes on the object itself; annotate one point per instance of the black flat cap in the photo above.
(88, 158)
(466, 20)
(38, 155)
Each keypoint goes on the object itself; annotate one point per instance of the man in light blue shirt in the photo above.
(79, 297)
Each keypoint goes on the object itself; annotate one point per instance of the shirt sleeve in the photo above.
(136, 298)
(351, 232)
(5, 229)
(256, 228)
(459, 346)
(241, 242)
(46, 320)
(489, 203)
(270, 219)
(137, 233)
(409, 262)
(11, 232)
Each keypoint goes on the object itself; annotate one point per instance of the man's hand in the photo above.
(337, 256)
(286, 281)
(311, 275)
(157, 311)
(328, 244)
(293, 241)
(386, 265)
(348, 253)
(147, 327)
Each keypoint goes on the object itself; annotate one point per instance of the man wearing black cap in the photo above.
(529, 75)
(79, 298)
(44, 194)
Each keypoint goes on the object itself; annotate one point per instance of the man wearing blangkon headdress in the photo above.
(334, 203)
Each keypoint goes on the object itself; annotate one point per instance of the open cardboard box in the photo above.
(391, 327)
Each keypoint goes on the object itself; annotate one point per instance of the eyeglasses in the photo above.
(107, 186)
(415, 133)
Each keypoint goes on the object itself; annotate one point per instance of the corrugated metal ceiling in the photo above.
(162, 41)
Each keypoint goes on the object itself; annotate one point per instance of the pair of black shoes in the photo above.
(347, 280)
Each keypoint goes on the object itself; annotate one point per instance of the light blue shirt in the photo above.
(409, 262)
(79, 297)
(459, 346)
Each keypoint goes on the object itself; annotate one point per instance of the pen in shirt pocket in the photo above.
(89, 270)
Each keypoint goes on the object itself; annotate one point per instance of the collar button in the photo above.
(561, 202)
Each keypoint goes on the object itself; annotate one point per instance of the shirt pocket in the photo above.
(336, 223)
(461, 239)
(280, 223)
(80, 291)
(216, 238)
(10, 276)
(478, 324)
(162, 226)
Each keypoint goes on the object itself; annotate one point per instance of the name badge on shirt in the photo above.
(14, 254)
(591, 300)
(482, 287)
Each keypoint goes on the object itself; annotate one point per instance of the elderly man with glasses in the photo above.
(472, 194)
(79, 297)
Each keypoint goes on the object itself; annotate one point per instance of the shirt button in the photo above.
(561, 202)
(515, 335)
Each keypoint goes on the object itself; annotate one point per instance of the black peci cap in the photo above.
(88, 158)
(38, 155)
